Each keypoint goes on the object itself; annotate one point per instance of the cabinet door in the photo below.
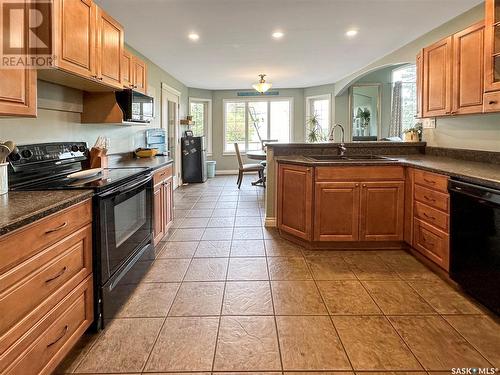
(492, 46)
(295, 189)
(158, 214)
(109, 50)
(420, 67)
(127, 69)
(437, 78)
(336, 211)
(168, 203)
(382, 211)
(468, 70)
(140, 72)
(75, 30)
(18, 92)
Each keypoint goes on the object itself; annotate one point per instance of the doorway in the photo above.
(170, 102)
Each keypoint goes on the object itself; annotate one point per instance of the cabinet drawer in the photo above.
(431, 180)
(432, 243)
(359, 173)
(46, 344)
(29, 284)
(432, 216)
(24, 243)
(491, 102)
(162, 175)
(432, 198)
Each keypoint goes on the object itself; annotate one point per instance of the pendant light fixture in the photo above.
(262, 86)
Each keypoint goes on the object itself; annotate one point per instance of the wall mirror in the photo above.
(365, 101)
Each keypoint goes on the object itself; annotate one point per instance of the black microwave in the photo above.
(136, 107)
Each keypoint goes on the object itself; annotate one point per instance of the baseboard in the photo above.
(270, 222)
(225, 172)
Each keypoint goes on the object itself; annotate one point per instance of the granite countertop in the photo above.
(127, 161)
(355, 144)
(19, 208)
(472, 171)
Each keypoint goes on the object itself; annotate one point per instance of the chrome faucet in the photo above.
(331, 138)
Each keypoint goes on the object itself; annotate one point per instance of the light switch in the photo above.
(429, 123)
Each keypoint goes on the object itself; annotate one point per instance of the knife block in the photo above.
(98, 158)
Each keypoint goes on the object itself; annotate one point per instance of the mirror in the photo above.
(365, 111)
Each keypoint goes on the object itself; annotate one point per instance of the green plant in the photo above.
(315, 132)
(364, 115)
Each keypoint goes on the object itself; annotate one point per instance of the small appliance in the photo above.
(157, 138)
(136, 107)
(194, 166)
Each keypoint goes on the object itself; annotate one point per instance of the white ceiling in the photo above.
(235, 42)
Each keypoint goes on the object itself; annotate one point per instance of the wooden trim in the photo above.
(489, 47)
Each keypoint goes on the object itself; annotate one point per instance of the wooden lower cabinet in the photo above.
(382, 211)
(163, 202)
(46, 291)
(336, 211)
(432, 243)
(295, 200)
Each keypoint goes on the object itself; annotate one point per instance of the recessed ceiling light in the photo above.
(351, 32)
(278, 34)
(193, 36)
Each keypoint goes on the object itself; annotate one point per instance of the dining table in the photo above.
(258, 155)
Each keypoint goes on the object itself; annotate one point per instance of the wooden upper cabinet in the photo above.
(419, 83)
(468, 72)
(140, 72)
(437, 78)
(382, 211)
(336, 211)
(127, 70)
(134, 72)
(492, 46)
(109, 50)
(18, 92)
(295, 190)
(75, 36)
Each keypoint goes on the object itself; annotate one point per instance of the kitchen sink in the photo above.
(347, 158)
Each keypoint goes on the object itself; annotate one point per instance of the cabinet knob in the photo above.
(100, 78)
(364, 185)
(492, 102)
(356, 185)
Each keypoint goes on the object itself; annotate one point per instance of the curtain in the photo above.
(395, 129)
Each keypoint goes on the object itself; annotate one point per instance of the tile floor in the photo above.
(227, 295)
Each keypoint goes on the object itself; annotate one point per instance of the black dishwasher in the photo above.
(475, 241)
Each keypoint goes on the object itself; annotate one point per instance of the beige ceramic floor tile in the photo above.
(77, 354)
(319, 373)
(247, 298)
(124, 346)
(436, 344)
(185, 344)
(282, 248)
(221, 222)
(247, 248)
(250, 221)
(370, 267)
(246, 373)
(372, 344)
(397, 298)
(149, 300)
(347, 297)
(482, 332)
(330, 268)
(310, 343)
(198, 299)
(284, 268)
(178, 249)
(406, 266)
(444, 298)
(247, 269)
(167, 270)
(210, 249)
(194, 222)
(217, 234)
(247, 343)
(207, 269)
(248, 233)
(297, 298)
(183, 234)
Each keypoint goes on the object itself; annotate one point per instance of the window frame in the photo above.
(208, 131)
(309, 101)
(246, 101)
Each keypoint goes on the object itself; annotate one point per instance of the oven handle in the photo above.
(126, 188)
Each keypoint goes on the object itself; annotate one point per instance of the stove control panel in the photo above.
(56, 151)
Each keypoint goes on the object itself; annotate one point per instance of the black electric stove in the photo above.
(122, 215)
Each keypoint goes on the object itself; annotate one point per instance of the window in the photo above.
(407, 75)
(319, 106)
(201, 110)
(249, 122)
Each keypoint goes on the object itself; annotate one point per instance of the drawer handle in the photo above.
(429, 199)
(61, 272)
(65, 330)
(429, 181)
(429, 217)
(491, 102)
(63, 225)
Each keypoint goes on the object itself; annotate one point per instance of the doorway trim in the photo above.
(167, 91)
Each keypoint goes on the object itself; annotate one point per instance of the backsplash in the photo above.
(490, 157)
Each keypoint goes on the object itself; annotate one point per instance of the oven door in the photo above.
(125, 223)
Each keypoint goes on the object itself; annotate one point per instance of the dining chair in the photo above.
(247, 168)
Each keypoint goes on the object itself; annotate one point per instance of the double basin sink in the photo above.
(348, 158)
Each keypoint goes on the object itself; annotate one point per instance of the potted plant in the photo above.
(315, 132)
(364, 115)
(413, 134)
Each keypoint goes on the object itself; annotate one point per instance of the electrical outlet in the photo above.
(429, 123)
